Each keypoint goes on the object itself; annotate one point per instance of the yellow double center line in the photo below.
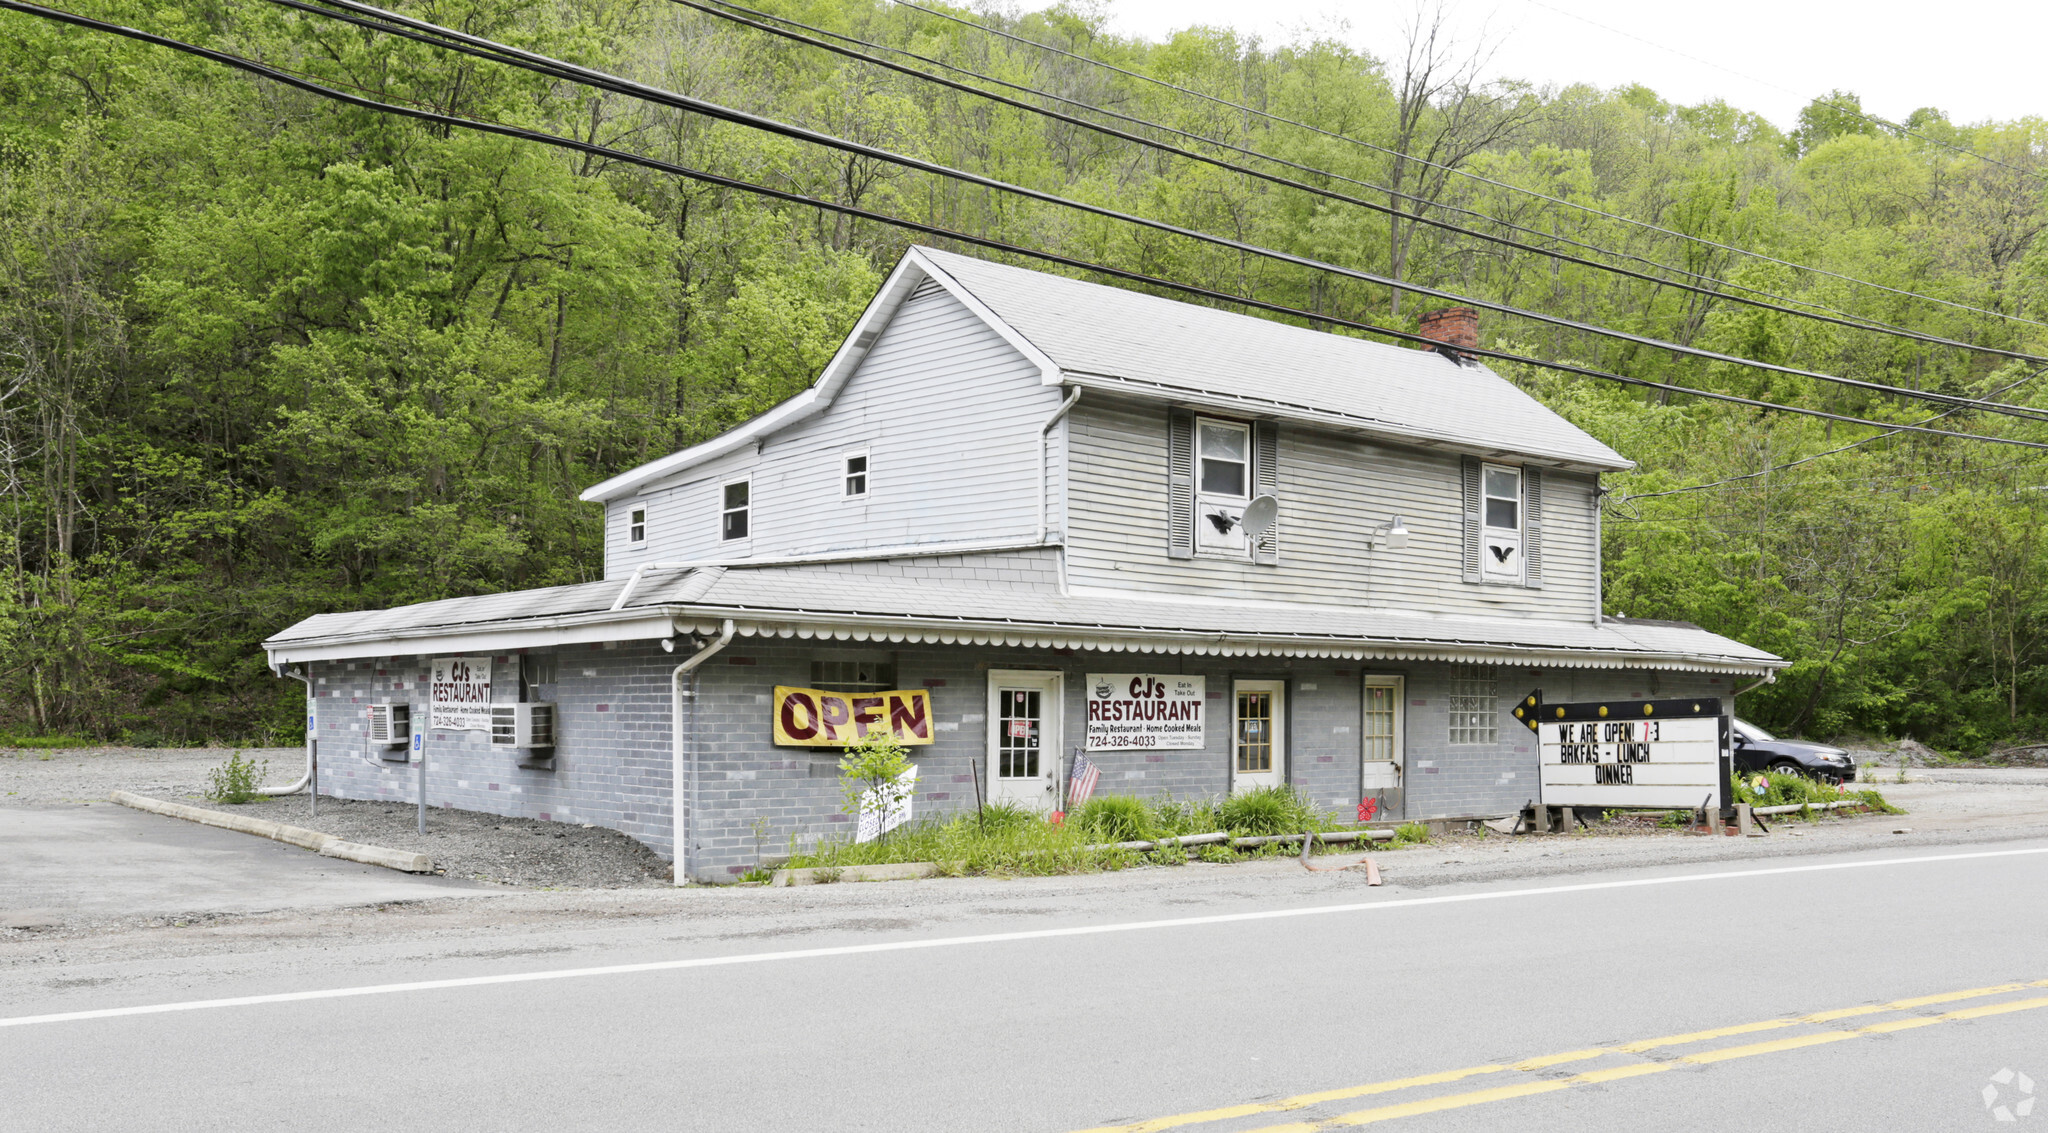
(1592, 1077)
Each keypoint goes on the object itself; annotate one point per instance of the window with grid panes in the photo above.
(853, 676)
(1474, 718)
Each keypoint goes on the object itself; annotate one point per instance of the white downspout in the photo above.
(626, 591)
(1769, 678)
(679, 754)
(1044, 445)
(306, 680)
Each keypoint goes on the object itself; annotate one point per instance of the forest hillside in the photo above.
(265, 353)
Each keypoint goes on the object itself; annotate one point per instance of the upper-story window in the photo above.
(1223, 477)
(734, 518)
(1500, 558)
(636, 527)
(854, 479)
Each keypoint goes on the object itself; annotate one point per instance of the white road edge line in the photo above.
(987, 938)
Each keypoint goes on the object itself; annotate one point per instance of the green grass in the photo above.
(1008, 839)
(44, 743)
(1798, 790)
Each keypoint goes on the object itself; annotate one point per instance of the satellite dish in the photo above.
(1260, 515)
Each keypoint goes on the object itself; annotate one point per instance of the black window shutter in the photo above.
(1470, 554)
(1180, 485)
(1266, 482)
(1532, 527)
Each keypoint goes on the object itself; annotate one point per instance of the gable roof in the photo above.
(1112, 338)
(1099, 337)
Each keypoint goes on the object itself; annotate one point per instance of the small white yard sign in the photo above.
(875, 820)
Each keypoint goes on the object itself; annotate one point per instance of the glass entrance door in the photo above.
(1023, 737)
(1258, 735)
(1381, 758)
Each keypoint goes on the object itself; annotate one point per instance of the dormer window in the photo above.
(854, 480)
(733, 519)
(1223, 451)
(636, 527)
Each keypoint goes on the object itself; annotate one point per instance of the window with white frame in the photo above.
(854, 479)
(734, 518)
(1475, 719)
(1500, 543)
(636, 526)
(1223, 484)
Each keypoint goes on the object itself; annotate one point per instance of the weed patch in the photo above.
(236, 780)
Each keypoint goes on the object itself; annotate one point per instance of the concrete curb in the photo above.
(326, 845)
(823, 875)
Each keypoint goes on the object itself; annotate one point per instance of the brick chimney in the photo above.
(1453, 326)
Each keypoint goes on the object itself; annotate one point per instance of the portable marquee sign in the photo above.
(1655, 754)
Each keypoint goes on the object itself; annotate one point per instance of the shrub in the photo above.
(1115, 818)
(235, 781)
(873, 770)
(1269, 810)
(1171, 819)
(996, 818)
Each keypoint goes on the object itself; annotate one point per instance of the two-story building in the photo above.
(1019, 517)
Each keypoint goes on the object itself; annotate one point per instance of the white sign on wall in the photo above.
(460, 700)
(1631, 753)
(1144, 710)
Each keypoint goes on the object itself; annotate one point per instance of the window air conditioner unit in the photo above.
(523, 725)
(390, 725)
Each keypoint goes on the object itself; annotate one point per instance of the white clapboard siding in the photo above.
(1333, 490)
(949, 414)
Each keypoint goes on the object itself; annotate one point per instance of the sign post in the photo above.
(419, 756)
(1647, 754)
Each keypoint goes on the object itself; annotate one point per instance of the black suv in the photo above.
(1758, 750)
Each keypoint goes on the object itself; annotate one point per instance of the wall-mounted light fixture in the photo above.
(1391, 535)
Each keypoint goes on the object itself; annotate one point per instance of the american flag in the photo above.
(1082, 783)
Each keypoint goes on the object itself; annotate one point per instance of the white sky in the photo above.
(1975, 59)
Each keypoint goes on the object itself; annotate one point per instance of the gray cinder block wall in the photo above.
(749, 799)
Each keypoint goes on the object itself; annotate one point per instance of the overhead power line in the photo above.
(486, 126)
(2006, 388)
(465, 43)
(1851, 322)
(1443, 206)
(1466, 173)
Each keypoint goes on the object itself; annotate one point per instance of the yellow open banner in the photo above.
(809, 717)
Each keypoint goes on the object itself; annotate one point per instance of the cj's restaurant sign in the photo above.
(1143, 710)
(460, 698)
(1631, 753)
(809, 717)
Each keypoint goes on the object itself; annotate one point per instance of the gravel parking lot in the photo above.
(478, 847)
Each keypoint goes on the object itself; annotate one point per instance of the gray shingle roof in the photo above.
(1159, 344)
(829, 601)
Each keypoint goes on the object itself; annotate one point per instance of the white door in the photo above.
(1257, 735)
(1382, 761)
(1023, 737)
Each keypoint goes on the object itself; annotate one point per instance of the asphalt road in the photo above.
(1571, 1002)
